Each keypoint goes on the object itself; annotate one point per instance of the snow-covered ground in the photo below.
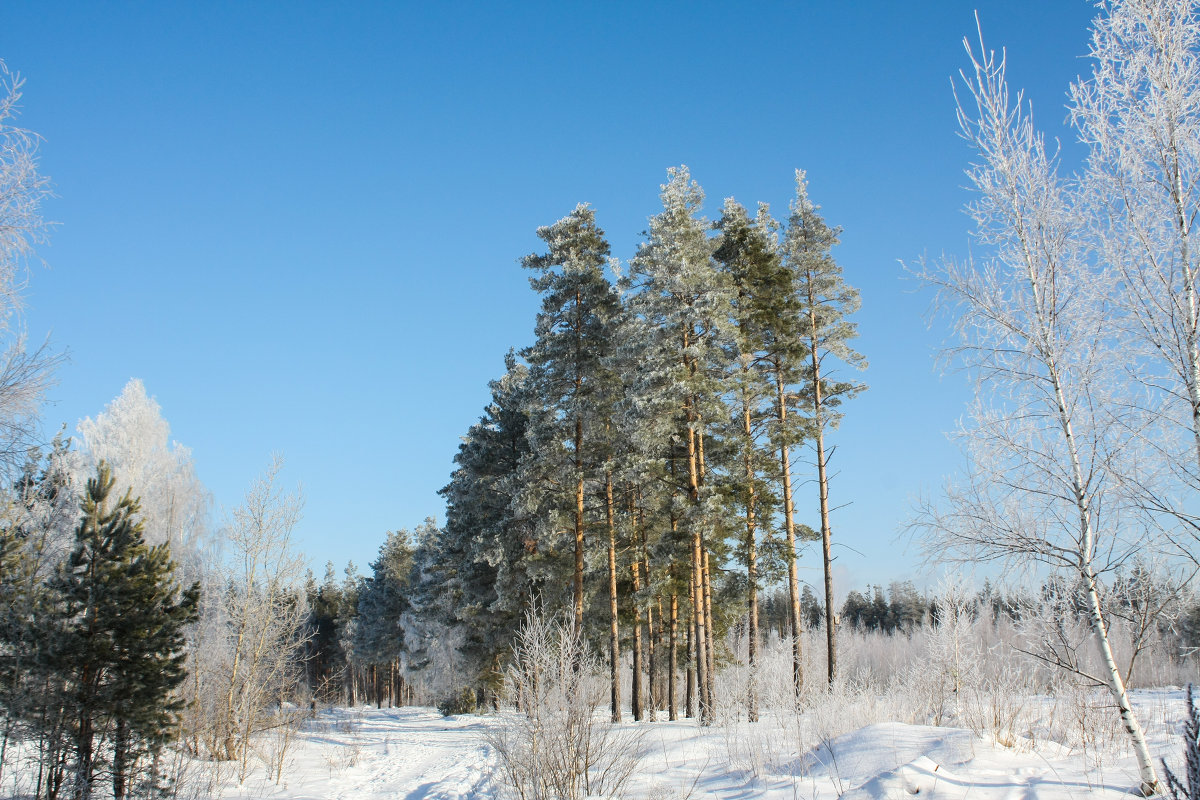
(416, 754)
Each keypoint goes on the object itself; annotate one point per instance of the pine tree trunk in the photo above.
(635, 524)
(789, 521)
(699, 619)
(690, 707)
(579, 509)
(751, 570)
(672, 701)
(650, 671)
(120, 755)
(578, 625)
(84, 743)
(700, 635)
(614, 643)
(823, 491)
(711, 648)
(636, 699)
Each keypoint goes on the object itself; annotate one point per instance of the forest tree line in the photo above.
(637, 468)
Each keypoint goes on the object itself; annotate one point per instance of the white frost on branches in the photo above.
(134, 439)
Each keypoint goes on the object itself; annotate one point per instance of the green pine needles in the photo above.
(107, 645)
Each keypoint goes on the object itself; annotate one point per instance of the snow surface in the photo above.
(416, 754)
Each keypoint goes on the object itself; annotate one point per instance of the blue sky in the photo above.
(299, 223)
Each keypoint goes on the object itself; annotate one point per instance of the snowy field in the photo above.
(416, 754)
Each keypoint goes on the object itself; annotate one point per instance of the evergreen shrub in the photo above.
(461, 702)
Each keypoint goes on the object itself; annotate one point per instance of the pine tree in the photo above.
(826, 302)
(681, 302)
(120, 644)
(36, 533)
(151, 664)
(487, 565)
(20, 598)
(324, 658)
(748, 254)
(767, 309)
(810, 609)
(382, 604)
(571, 385)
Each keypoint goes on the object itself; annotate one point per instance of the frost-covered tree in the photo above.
(487, 564)
(1138, 115)
(1050, 437)
(1187, 788)
(571, 386)
(825, 302)
(262, 613)
(431, 633)
(382, 603)
(652, 539)
(748, 252)
(681, 302)
(332, 606)
(133, 438)
(37, 532)
(24, 374)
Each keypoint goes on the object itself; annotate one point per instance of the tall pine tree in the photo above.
(571, 384)
(682, 302)
(749, 255)
(826, 301)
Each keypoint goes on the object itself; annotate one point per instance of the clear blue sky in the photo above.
(299, 223)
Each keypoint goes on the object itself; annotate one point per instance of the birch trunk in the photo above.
(1112, 676)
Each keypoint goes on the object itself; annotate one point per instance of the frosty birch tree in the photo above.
(264, 613)
(1043, 445)
(133, 438)
(1139, 113)
(24, 374)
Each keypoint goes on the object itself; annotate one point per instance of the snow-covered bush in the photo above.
(558, 743)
